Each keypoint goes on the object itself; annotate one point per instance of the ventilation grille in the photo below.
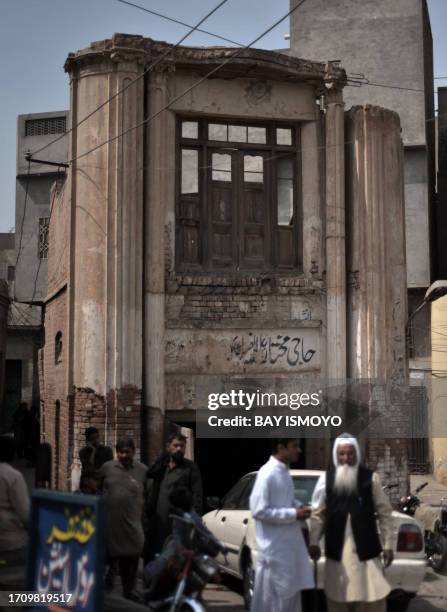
(42, 127)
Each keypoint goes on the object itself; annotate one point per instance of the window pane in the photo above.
(221, 167)
(285, 168)
(231, 499)
(283, 136)
(253, 169)
(285, 191)
(190, 171)
(190, 129)
(217, 131)
(257, 134)
(285, 202)
(237, 133)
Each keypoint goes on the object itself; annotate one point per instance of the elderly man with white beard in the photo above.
(348, 502)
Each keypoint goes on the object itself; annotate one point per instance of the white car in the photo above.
(232, 523)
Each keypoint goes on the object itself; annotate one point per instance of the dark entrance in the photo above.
(13, 392)
(222, 461)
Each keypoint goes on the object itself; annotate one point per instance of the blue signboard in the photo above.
(66, 548)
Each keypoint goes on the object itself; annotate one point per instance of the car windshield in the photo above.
(304, 487)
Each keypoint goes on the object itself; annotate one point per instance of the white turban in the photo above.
(343, 439)
(319, 494)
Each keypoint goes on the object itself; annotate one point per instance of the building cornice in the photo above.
(251, 63)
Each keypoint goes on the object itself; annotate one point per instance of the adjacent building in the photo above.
(22, 341)
(24, 256)
(200, 244)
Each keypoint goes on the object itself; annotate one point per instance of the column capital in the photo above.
(333, 95)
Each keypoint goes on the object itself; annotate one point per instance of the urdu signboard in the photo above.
(66, 550)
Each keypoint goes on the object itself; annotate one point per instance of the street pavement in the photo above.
(432, 596)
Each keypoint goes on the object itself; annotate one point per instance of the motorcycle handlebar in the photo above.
(422, 486)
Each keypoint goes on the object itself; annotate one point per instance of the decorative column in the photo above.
(154, 274)
(378, 286)
(335, 236)
(106, 241)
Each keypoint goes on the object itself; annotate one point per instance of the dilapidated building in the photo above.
(227, 230)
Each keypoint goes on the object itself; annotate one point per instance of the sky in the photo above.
(37, 35)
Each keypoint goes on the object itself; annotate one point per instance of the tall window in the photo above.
(58, 348)
(44, 223)
(238, 205)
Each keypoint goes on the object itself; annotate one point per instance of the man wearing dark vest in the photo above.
(348, 505)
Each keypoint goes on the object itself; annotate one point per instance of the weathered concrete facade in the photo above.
(377, 295)
(155, 308)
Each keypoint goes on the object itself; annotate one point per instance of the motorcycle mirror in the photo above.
(214, 503)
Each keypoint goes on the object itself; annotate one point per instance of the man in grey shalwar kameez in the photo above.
(283, 567)
(347, 503)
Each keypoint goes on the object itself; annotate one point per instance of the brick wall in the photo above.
(56, 415)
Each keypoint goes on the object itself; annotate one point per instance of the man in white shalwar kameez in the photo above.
(283, 567)
(346, 505)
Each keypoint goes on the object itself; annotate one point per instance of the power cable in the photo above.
(49, 220)
(24, 214)
(177, 21)
(130, 83)
(193, 86)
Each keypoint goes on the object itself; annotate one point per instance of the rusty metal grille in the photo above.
(44, 127)
(418, 450)
(44, 223)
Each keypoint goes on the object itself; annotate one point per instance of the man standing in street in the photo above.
(283, 569)
(93, 455)
(14, 508)
(347, 502)
(123, 483)
(169, 472)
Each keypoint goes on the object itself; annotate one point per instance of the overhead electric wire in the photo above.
(400, 88)
(151, 66)
(150, 11)
(24, 214)
(193, 86)
(40, 258)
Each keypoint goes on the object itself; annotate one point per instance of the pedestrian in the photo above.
(93, 455)
(14, 508)
(283, 568)
(123, 485)
(88, 483)
(348, 502)
(170, 471)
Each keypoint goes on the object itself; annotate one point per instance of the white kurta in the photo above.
(283, 566)
(350, 579)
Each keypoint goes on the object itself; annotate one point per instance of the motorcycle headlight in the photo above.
(206, 566)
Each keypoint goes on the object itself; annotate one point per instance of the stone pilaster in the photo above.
(335, 236)
(154, 275)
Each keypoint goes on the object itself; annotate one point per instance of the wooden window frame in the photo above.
(202, 200)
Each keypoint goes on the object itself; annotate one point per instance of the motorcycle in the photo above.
(184, 569)
(434, 523)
